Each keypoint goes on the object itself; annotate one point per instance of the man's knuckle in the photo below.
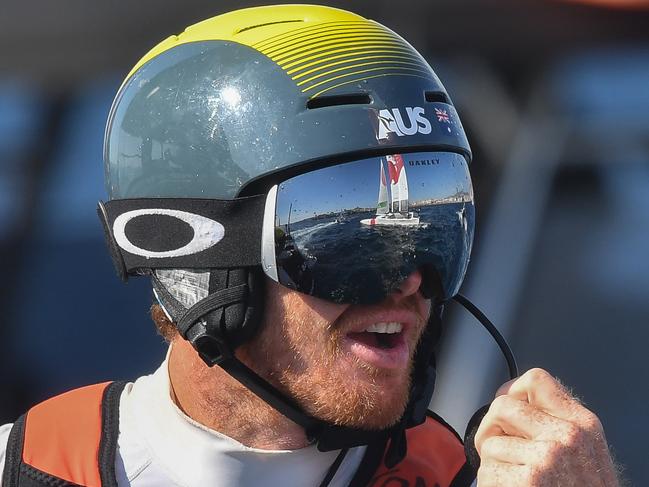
(534, 475)
(539, 375)
(484, 478)
(490, 447)
(574, 436)
(499, 405)
(591, 422)
(506, 409)
(550, 452)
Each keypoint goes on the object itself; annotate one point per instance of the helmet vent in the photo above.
(250, 27)
(335, 100)
(437, 97)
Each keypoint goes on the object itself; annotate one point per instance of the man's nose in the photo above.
(408, 287)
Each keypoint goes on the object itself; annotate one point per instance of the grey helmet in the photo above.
(255, 91)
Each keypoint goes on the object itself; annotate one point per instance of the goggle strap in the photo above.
(183, 233)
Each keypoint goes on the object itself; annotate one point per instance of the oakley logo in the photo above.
(207, 232)
(391, 122)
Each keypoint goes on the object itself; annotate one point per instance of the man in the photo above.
(295, 181)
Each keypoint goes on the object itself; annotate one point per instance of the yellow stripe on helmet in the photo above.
(297, 37)
(252, 26)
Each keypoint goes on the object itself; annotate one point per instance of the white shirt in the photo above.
(158, 445)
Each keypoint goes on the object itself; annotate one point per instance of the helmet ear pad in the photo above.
(238, 322)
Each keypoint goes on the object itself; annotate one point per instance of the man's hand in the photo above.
(537, 434)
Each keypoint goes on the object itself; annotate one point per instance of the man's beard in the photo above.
(302, 357)
(347, 401)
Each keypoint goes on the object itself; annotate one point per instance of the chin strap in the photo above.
(194, 325)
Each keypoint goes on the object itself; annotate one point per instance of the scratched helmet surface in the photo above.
(260, 90)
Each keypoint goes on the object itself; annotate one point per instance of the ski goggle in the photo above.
(347, 233)
(351, 233)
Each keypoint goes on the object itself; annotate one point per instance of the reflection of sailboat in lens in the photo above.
(396, 213)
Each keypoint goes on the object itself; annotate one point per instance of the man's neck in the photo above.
(211, 397)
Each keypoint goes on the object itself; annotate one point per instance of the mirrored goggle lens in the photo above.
(351, 233)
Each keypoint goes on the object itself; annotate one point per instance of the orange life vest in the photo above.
(71, 440)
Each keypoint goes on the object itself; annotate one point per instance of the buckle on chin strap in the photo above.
(210, 345)
(212, 349)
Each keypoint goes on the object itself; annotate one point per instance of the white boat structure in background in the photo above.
(396, 213)
(461, 216)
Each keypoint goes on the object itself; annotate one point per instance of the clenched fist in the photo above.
(537, 434)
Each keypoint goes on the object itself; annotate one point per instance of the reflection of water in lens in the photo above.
(350, 259)
(303, 234)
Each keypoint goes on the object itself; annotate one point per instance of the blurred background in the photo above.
(555, 98)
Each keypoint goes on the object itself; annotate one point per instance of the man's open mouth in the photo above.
(380, 344)
(381, 335)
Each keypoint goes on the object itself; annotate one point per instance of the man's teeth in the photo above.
(391, 327)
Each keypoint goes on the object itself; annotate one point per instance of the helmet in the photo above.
(220, 115)
(239, 96)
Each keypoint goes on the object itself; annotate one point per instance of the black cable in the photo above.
(493, 331)
(472, 458)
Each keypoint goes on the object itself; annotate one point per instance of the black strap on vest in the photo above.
(109, 433)
(32, 477)
(14, 454)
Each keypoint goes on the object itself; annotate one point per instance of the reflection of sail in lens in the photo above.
(398, 183)
(382, 206)
(398, 213)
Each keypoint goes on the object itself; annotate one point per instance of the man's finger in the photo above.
(504, 389)
(540, 389)
(514, 450)
(508, 416)
(496, 474)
